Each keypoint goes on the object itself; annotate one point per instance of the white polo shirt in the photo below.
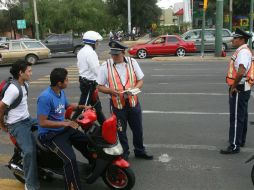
(88, 63)
(102, 78)
(21, 111)
(243, 57)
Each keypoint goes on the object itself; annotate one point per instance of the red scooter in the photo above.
(104, 155)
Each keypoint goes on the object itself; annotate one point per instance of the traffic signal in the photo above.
(205, 4)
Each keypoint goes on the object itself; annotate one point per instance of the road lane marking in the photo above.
(47, 79)
(192, 147)
(47, 82)
(11, 184)
(186, 113)
(186, 93)
(4, 159)
(194, 75)
(185, 69)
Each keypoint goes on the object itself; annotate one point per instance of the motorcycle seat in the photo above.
(38, 142)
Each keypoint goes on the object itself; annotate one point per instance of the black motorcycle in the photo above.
(104, 155)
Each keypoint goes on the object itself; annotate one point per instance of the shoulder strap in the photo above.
(20, 96)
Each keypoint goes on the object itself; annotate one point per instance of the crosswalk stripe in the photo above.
(47, 82)
(4, 159)
(11, 184)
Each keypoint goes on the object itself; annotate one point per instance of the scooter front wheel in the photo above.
(252, 174)
(119, 178)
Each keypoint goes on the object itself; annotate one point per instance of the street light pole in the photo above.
(203, 34)
(129, 17)
(219, 25)
(251, 22)
(36, 21)
(230, 14)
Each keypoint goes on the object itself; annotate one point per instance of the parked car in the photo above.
(252, 39)
(4, 39)
(195, 36)
(63, 43)
(163, 45)
(29, 50)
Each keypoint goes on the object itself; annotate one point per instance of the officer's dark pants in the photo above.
(87, 88)
(134, 118)
(61, 144)
(238, 105)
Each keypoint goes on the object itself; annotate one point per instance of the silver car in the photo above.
(195, 36)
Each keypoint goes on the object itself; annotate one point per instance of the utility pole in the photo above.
(36, 22)
(219, 25)
(129, 18)
(251, 22)
(203, 29)
(230, 14)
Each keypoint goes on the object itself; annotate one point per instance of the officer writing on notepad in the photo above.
(121, 78)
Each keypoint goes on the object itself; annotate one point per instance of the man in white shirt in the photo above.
(239, 78)
(115, 76)
(88, 66)
(18, 121)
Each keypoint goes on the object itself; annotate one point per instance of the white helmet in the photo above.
(90, 37)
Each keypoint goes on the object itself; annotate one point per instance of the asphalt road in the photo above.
(185, 117)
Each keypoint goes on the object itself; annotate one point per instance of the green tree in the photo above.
(143, 13)
(8, 18)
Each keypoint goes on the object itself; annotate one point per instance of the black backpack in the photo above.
(3, 87)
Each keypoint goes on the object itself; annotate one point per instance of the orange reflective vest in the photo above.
(115, 83)
(232, 72)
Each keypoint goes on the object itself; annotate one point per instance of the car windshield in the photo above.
(33, 44)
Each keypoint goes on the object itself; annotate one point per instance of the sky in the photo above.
(164, 4)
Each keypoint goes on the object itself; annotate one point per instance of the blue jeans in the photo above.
(25, 139)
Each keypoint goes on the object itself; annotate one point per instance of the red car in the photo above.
(162, 45)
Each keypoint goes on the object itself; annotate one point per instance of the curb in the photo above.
(192, 58)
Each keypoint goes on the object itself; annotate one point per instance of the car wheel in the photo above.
(142, 54)
(180, 52)
(31, 59)
(224, 47)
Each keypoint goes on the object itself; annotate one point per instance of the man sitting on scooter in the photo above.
(55, 132)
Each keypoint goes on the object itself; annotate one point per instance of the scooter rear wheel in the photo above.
(119, 178)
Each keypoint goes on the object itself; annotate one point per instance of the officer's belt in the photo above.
(85, 80)
(240, 87)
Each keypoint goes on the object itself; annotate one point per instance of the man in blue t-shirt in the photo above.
(56, 133)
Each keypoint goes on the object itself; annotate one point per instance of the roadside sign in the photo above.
(21, 24)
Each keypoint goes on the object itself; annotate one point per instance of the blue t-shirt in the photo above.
(52, 105)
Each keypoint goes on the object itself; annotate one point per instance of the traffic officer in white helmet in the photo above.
(88, 67)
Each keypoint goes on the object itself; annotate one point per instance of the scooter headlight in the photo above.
(116, 150)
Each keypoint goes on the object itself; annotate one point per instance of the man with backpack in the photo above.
(15, 118)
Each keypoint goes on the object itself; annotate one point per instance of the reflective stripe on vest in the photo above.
(232, 72)
(115, 83)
